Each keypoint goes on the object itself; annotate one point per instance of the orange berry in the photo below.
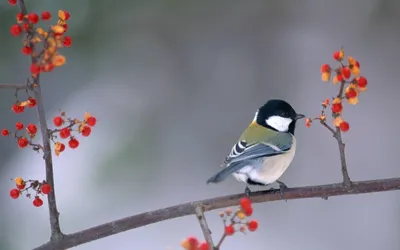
(58, 121)
(185, 244)
(33, 18)
(19, 181)
(35, 69)
(252, 225)
(19, 125)
(37, 202)
(65, 133)
(362, 82)
(241, 215)
(23, 142)
(229, 230)
(15, 30)
(73, 143)
(45, 188)
(46, 15)
(32, 129)
(345, 71)
(337, 107)
(344, 126)
(14, 193)
(86, 131)
(67, 41)
(325, 68)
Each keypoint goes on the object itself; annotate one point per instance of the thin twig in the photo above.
(143, 219)
(56, 233)
(204, 226)
(341, 145)
(218, 246)
(14, 86)
(328, 127)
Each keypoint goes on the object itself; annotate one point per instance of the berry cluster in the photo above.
(51, 40)
(233, 222)
(350, 88)
(40, 188)
(67, 126)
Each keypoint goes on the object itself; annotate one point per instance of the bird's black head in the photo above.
(278, 115)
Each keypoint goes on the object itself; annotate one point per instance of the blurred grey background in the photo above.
(173, 84)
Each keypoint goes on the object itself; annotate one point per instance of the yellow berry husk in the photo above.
(61, 15)
(185, 244)
(341, 53)
(355, 70)
(57, 28)
(19, 181)
(351, 60)
(86, 116)
(326, 76)
(57, 152)
(362, 89)
(322, 117)
(335, 80)
(337, 121)
(58, 60)
(241, 215)
(352, 101)
(40, 31)
(336, 100)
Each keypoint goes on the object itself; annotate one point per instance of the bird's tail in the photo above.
(234, 167)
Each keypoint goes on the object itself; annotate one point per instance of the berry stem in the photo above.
(218, 246)
(56, 233)
(204, 226)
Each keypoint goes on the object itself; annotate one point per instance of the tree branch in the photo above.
(204, 227)
(56, 233)
(14, 86)
(147, 218)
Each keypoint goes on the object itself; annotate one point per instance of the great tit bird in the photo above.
(265, 149)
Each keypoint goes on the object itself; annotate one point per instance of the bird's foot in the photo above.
(282, 187)
(247, 191)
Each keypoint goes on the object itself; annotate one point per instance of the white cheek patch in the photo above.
(279, 123)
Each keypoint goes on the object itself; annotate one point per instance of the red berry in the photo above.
(23, 142)
(17, 109)
(67, 41)
(345, 71)
(5, 132)
(362, 82)
(357, 64)
(351, 93)
(245, 202)
(203, 246)
(336, 55)
(337, 107)
(344, 126)
(62, 147)
(65, 26)
(58, 121)
(20, 187)
(25, 27)
(65, 133)
(252, 225)
(86, 131)
(229, 230)
(19, 125)
(37, 202)
(340, 77)
(73, 143)
(193, 242)
(91, 121)
(67, 15)
(48, 67)
(35, 69)
(33, 18)
(20, 17)
(26, 50)
(32, 129)
(32, 102)
(15, 30)
(14, 193)
(46, 15)
(45, 188)
(12, 2)
(248, 211)
(325, 68)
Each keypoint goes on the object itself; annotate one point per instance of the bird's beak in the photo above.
(300, 116)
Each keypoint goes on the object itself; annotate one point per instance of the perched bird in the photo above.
(265, 149)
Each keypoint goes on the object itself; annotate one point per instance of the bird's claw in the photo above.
(247, 191)
(282, 187)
